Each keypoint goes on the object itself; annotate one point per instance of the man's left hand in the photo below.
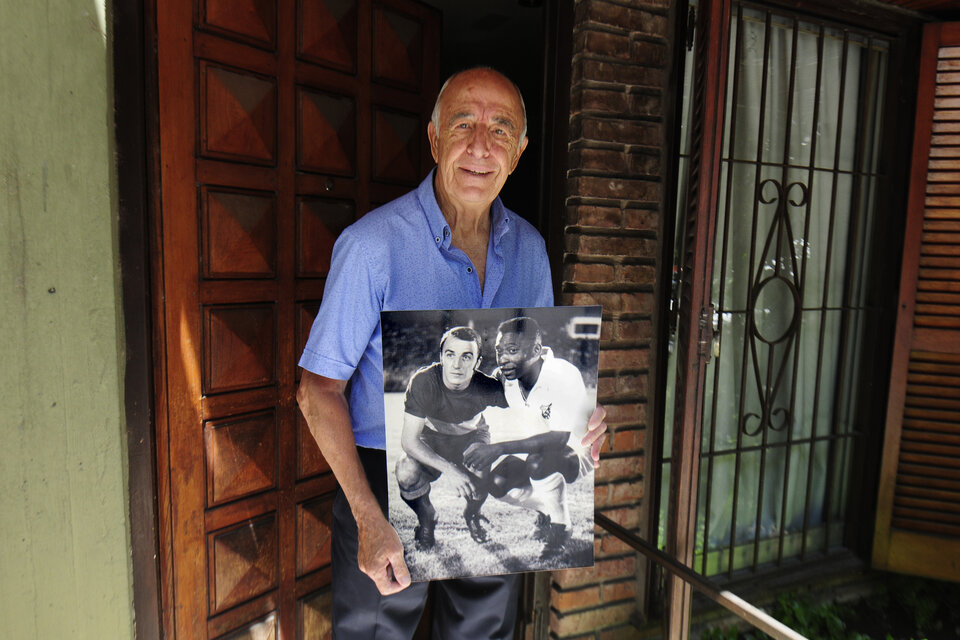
(596, 433)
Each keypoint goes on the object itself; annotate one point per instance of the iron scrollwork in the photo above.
(771, 340)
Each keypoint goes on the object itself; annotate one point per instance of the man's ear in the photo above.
(476, 365)
(537, 348)
(520, 148)
(432, 137)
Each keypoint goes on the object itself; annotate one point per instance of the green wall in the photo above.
(64, 535)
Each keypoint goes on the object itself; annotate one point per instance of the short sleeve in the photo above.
(349, 313)
(413, 399)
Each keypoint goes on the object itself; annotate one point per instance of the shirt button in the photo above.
(446, 232)
(469, 269)
(437, 238)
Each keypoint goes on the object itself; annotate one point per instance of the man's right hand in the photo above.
(380, 554)
(463, 483)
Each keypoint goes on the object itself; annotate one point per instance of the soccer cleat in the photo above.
(423, 535)
(555, 542)
(474, 526)
(542, 527)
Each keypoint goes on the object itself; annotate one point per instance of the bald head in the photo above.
(435, 116)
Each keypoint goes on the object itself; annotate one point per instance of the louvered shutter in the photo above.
(918, 511)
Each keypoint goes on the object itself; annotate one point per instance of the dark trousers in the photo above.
(468, 608)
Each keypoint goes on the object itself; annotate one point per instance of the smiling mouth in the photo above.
(477, 173)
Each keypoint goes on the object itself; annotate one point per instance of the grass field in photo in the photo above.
(511, 546)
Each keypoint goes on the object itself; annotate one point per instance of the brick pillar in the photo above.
(612, 247)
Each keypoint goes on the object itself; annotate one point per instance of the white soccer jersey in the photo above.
(557, 402)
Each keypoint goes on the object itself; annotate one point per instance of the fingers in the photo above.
(596, 433)
(595, 450)
(596, 420)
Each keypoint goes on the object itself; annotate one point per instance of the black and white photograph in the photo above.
(485, 411)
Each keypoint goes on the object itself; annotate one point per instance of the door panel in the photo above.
(279, 123)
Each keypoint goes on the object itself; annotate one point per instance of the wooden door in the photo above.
(918, 507)
(279, 122)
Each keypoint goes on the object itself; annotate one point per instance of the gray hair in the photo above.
(435, 116)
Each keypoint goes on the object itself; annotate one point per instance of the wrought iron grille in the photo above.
(795, 218)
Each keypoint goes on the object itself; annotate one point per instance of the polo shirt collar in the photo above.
(440, 230)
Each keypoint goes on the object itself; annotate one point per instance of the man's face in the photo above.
(458, 361)
(515, 354)
(477, 143)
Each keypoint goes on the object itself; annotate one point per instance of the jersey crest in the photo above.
(545, 410)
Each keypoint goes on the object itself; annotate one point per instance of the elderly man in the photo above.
(448, 244)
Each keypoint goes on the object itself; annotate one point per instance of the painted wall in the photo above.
(64, 536)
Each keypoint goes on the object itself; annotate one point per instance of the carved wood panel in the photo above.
(268, 146)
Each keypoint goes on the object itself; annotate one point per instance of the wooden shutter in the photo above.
(279, 122)
(918, 511)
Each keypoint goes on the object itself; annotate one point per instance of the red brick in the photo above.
(579, 599)
(615, 302)
(622, 413)
(625, 441)
(606, 387)
(615, 188)
(602, 101)
(607, 160)
(588, 273)
(638, 274)
(593, 216)
(649, 54)
(625, 567)
(640, 219)
(619, 131)
(619, 591)
(622, 358)
(627, 517)
(643, 163)
(606, 330)
(633, 329)
(634, 384)
(615, 15)
(610, 245)
(604, 43)
(644, 104)
(608, 71)
(601, 494)
(566, 625)
(612, 545)
(622, 493)
(619, 468)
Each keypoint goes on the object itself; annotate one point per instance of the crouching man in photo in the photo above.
(443, 417)
(548, 397)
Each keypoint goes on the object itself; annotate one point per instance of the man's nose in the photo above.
(479, 141)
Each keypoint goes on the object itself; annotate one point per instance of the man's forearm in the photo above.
(324, 406)
(540, 443)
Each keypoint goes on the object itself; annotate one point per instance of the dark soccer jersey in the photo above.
(427, 397)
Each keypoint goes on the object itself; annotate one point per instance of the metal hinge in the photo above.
(708, 344)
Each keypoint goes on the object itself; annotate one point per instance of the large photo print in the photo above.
(485, 410)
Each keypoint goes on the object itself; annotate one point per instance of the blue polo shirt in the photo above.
(398, 258)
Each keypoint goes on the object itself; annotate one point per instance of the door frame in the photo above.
(134, 105)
